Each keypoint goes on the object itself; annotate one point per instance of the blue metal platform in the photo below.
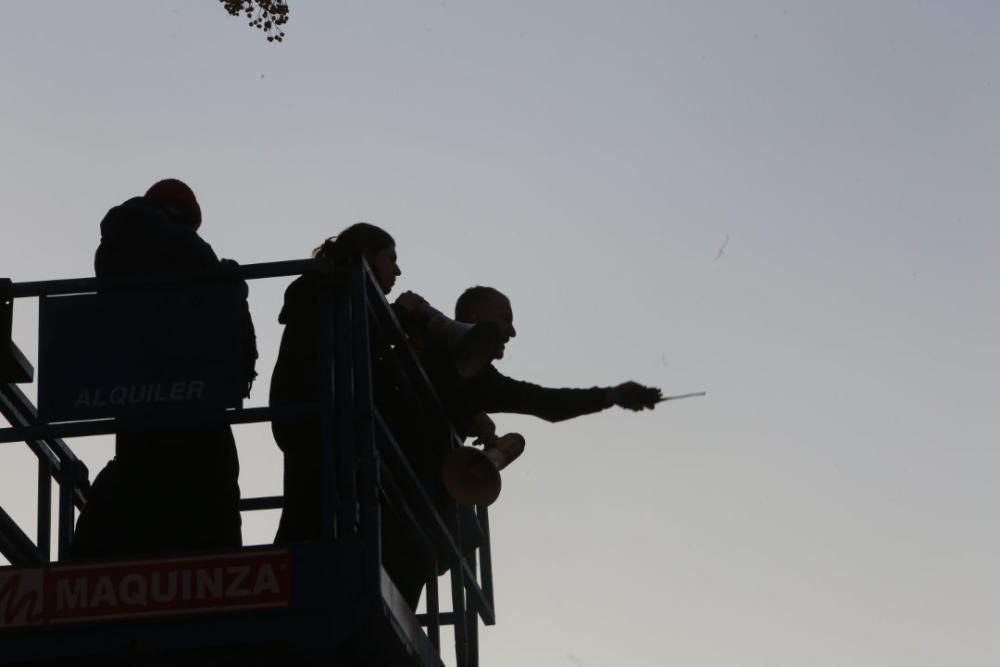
(327, 602)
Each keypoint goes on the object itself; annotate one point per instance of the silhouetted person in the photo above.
(467, 400)
(170, 489)
(296, 380)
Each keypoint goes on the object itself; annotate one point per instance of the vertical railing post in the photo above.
(68, 476)
(365, 415)
(44, 539)
(434, 612)
(485, 554)
(347, 511)
(468, 552)
(328, 418)
(458, 598)
(472, 629)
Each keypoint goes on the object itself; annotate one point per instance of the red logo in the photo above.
(21, 595)
(64, 594)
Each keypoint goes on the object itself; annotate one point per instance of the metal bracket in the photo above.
(14, 366)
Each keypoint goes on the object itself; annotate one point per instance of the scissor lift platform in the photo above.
(256, 606)
(323, 602)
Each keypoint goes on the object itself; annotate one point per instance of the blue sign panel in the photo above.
(133, 353)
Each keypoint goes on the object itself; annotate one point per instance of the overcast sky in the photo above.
(789, 205)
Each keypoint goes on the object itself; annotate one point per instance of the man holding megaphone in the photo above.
(471, 477)
(489, 391)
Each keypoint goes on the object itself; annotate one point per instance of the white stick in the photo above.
(674, 398)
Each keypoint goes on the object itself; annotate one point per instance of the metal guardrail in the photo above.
(365, 462)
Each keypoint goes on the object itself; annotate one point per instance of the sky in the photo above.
(788, 205)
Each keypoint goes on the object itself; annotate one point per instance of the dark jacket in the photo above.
(491, 391)
(297, 372)
(170, 489)
(137, 237)
(296, 376)
(297, 380)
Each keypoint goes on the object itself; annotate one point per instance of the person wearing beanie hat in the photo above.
(157, 232)
(169, 489)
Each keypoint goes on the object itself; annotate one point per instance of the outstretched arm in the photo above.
(495, 392)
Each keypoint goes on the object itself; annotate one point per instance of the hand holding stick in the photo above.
(632, 396)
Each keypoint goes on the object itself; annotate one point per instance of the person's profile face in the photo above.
(384, 265)
(496, 309)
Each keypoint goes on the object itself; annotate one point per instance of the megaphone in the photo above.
(473, 346)
(472, 476)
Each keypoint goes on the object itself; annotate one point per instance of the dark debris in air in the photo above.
(722, 249)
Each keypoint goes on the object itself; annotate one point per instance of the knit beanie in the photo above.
(177, 195)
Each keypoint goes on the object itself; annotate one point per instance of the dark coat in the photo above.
(491, 391)
(170, 489)
(137, 237)
(297, 380)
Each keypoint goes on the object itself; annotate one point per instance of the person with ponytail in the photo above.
(296, 378)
